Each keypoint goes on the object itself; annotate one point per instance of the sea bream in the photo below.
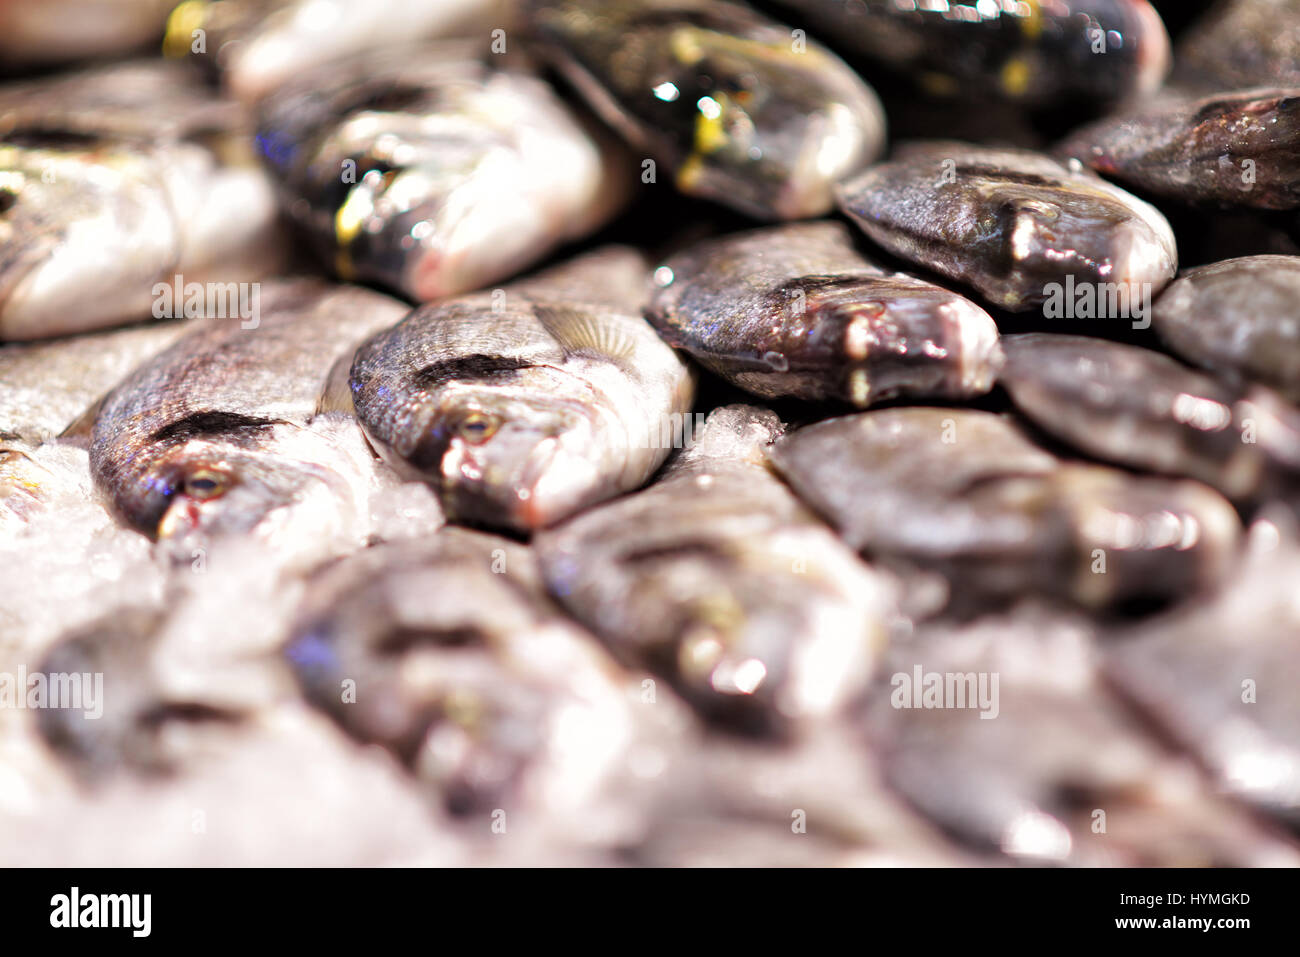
(736, 108)
(117, 179)
(1010, 223)
(797, 311)
(524, 404)
(431, 171)
(231, 431)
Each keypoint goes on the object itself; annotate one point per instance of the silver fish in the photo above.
(795, 310)
(523, 405)
(1238, 319)
(718, 579)
(64, 31)
(431, 172)
(965, 493)
(1010, 223)
(738, 108)
(100, 200)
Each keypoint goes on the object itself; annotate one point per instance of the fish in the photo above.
(235, 431)
(102, 199)
(1237, 319)
(1042, 55)
(65, 31)
(1144, 410)
(256, 46)
(966, 494)
(1061, 772)
(1010, 223)
(796, 311)
(717, 579)
(432, 172)
(737, 108)
(1236, 149)
(1240, 44)
(525, 404)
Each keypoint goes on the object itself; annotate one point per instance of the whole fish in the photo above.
(1004, 732)
(718, 579)
(231, 431)
(257, 46)
(795, 310)
(1144, 410)
(1237, 318)
(101, 199)
(739, 109)
(523, 405)
(1010, 223)
(431, 172)
(1044, 54)
(1233, 149)
(965, 493)
(1240, 44)
(64, 31)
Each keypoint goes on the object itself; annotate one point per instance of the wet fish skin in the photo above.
(1008, 222)
(1237, 318)
(720, 581)
(965, 493)
(1240, 44)
(1045, 56)
(431, 172)
(796, 311)
(720, 96)
(1231, 149)
(522, 405)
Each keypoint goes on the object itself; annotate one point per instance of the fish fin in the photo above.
(336, 396)
(81, 427)
(578, 332)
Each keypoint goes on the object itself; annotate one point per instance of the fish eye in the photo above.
(477, 427)
(206, 484)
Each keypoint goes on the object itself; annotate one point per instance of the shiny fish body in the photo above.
(1009, 222)
(224, 432)
(718, 579)
(101, 198)
(1042, 54)
(1144, 410)
(1239, 318)
(796, 311)
(966, 494)
(522, 405)
(1240, 44)
(734, 106)
(1232, 149)
(430, 172)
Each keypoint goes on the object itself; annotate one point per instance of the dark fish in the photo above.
(431, 172)
(738, 108)
(523, 405)
(966, 494)
(795, 310)
(1011, 223)
(1240, 44)
(1147, 411)
(717, 578)
(1239, 318)
(1235, 149)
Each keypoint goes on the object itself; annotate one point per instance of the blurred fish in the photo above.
(1240, 44)
(739, 109)
(1234, 149)
(64, 31)
(430, 172)
(1010, 223)
(114, 180)
(717, 578)
(1044, 54)
(966, 494)
(523, 405)
(795, 310)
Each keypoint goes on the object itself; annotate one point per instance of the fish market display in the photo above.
(1237, 318)
(719, 579)
(522, 405)
(736, 107)
(1238, 149)
(1009, 222)
(431, 172)
(1039, 53)
(795, 310)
